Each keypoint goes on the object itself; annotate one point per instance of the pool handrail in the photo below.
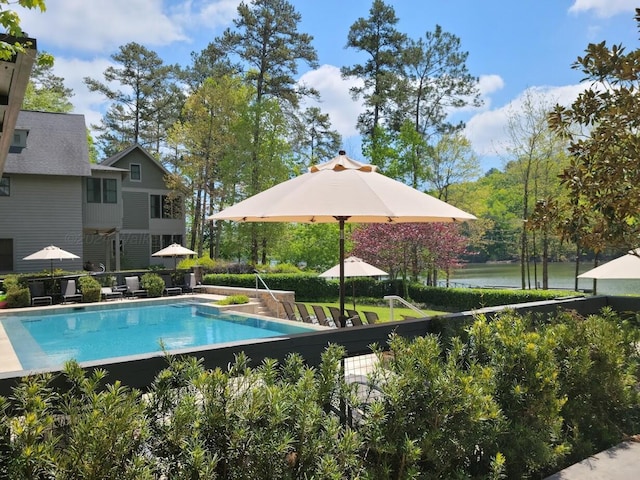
(391, 298)
(277, 302)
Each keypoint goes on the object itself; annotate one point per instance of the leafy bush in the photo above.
(234, 300)
(508, 401)
(205, 262)
(153, 284)
(90, 288)
(18, 297)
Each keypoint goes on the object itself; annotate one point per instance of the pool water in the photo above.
(83, 334)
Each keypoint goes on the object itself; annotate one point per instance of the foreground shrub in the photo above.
(509, 400)
(597, 360)
(233, 300)
(432, 418)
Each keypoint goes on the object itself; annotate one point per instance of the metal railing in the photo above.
(277, 302)
(391, 299)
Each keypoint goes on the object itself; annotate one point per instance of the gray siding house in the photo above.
(117, 212)
(151, 216)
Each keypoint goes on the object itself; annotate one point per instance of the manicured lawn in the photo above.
(383, 312)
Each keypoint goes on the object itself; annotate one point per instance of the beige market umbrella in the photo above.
(342, 190)
(51, 253)
(626, 267)
(354, 267)
(174, 250)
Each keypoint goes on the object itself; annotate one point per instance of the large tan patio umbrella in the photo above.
(354, 267)
(51, 253)
(626, 267)
(342, 190)
(174, 250)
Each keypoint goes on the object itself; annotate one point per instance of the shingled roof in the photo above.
(56, 145)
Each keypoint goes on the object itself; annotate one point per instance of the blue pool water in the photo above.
(48, 340)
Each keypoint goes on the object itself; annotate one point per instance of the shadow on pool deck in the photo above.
(621, 462)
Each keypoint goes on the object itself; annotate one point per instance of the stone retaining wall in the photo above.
(264, 296)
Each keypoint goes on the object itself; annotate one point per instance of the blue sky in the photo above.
(514, 47)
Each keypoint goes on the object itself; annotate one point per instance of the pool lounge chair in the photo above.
(290, 312)
(38, 297)
(371, 317)
(335, 315)
(169, 289)
(70, 291)
(304, 313)
(108, 293)
(354, 318)
(133, 287)
(322, 316)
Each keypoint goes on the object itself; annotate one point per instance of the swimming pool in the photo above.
(46, 340)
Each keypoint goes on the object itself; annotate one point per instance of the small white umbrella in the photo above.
(174, 250)
(51, 253)
(354, 267)
(342, 190)
(626, 267)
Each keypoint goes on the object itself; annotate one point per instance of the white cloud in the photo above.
(335, 99)
(487, 130)
(604, 8)
(97, 27)
(90, 104)
(209, 14)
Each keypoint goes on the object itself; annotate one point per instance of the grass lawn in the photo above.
(383, 312)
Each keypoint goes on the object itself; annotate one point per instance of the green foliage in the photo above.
(527, 389)
(90, 288)
(205, 262)
(18, 297)
(507, 401)
(597, 359)
(461, 299)
(436, 417)
(233, 300)
(17, 294)
(153, 284)
(10, 22)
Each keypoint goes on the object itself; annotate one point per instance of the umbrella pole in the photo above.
(343, 318)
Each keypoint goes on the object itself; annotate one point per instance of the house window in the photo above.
(6, 254)
(109, 190)
(5, 187)
(163, 206)
(102, 190)
(155, 243)
(94, 191)
(135, 172)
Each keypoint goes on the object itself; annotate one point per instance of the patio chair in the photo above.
(353, 317)
(108, 293)
(335, 315)
(289, 311)
(169, 289)
(190, 283)
(38, 297)
(70, 291)
(133, 287)
(322, 316)
(304, 313)
(371, 317)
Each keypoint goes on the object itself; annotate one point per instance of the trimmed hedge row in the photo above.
(311, 288)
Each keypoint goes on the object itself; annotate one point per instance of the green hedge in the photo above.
(311, 288)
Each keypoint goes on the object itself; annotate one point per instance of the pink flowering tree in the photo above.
(410, 249)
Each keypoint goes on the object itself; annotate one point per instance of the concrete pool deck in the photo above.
(9, 360)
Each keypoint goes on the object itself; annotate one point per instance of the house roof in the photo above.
(106, 168)
(118, 156)
(14, 76)
(56, 145)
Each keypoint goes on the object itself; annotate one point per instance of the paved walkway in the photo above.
(621, 462)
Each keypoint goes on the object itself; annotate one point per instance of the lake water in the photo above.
(561, 276)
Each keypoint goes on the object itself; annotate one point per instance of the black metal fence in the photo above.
(140, 371)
